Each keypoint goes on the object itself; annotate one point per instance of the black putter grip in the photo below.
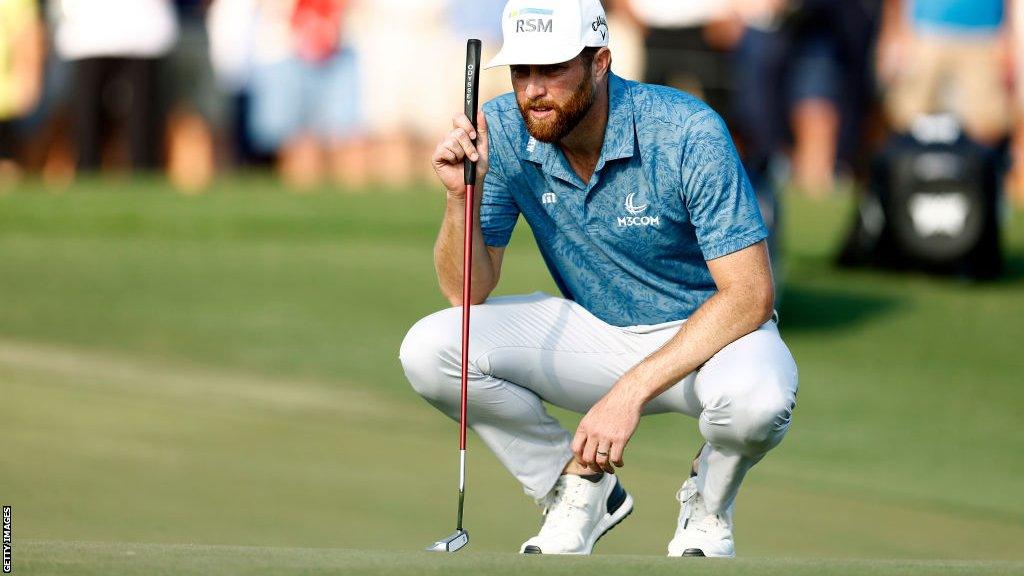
(473, 48)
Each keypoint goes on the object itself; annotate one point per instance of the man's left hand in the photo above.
(604, 432)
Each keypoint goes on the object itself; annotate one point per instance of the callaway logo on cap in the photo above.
(549, 31)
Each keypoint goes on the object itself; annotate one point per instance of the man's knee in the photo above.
(764, 418)
(431, 356)
(752, 413)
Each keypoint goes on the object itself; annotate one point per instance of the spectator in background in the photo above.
(684, 49)
(947, 55)
(409, 63)
(22, 43)
(799, 79)
(305, 91)
(232, 26)
(1015, 183)
(197, 105)
(116, 48)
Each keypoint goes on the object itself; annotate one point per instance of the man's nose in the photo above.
(535, 90)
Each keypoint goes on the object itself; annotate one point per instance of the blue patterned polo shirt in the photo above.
(668, 194)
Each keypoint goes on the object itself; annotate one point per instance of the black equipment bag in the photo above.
(933, 205)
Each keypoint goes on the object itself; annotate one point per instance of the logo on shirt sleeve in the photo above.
(635, 210)
(548, 198)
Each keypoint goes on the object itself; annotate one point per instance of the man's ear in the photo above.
(602, 62)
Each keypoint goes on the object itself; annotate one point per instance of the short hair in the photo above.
(588, 54)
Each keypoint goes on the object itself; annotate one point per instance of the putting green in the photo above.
(60, 558)
(222, 370)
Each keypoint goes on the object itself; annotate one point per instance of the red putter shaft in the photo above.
(467, 259)
(460, 538)
(473, 49)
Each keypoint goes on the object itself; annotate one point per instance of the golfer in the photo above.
(645, 218)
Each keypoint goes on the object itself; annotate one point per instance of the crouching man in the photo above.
(648, 224)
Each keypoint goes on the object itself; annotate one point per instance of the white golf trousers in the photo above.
(525, 349)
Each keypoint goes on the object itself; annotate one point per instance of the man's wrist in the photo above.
(456, 200)
(630, 392)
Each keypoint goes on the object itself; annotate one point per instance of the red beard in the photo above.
(563, 118)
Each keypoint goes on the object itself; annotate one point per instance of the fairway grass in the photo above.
(88, 559)
(222, 370)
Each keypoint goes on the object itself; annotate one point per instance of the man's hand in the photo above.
(452, 151)
(745, 300)
(604, 432)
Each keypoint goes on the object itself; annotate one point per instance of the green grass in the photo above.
(61, 558)
(222, 370)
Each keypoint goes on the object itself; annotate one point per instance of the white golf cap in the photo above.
(549, 31)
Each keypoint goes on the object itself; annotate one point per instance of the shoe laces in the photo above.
(565, 505)
(694, 514)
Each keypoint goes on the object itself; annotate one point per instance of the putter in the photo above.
(457, 540)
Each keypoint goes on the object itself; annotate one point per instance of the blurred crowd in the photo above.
(357, 91)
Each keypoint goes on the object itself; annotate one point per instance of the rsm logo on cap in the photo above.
(535, 24)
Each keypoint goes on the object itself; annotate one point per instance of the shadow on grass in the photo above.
(1014, 267)
(806, 308)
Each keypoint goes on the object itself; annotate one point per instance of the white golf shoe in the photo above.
(699, 533)
(577, 512)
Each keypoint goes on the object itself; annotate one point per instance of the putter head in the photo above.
(452, 543)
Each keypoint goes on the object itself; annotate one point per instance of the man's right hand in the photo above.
(452, 151)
